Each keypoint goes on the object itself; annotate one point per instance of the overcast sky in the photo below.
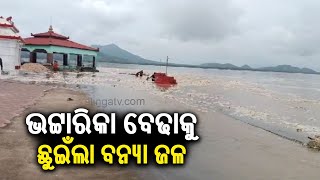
(254, 32)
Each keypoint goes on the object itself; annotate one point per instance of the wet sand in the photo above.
(18, 148)
(229, 149)
(15, 97)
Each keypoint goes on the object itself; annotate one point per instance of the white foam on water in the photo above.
(235, 96)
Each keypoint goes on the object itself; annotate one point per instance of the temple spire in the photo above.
(50, 28)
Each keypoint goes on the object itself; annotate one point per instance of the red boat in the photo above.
(163, 79)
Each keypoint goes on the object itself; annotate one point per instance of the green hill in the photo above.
(114, 54)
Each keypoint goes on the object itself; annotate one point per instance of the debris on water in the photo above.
(48, 76)
(88, 69)
(69, 99)
(79, 75)
(314, 143)
(140, 73)
(4, 73)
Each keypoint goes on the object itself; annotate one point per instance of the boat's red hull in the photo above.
(163, 79)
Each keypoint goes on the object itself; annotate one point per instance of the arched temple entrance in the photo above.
(59, 48)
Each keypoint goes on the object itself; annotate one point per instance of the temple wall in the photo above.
(10, 54)
(4, 31)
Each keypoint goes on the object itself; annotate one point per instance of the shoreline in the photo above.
(273, 130)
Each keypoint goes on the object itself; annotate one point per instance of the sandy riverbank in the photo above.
(15, 97)
(18, 148)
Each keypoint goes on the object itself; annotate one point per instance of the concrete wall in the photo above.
(10, 54)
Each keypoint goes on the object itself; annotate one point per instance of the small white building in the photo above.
(10, 44)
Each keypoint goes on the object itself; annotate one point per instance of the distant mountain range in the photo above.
(114, 54)
(280, 68)
(290, 69)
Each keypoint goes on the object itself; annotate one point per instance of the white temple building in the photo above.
(10, 44)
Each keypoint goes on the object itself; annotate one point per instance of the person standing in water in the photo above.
(1, 65)
(55, 66)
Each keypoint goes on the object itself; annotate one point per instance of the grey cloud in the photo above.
(198, 20)
(258, 33)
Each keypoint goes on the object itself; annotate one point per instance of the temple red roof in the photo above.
(52, 38)
(9, 30)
